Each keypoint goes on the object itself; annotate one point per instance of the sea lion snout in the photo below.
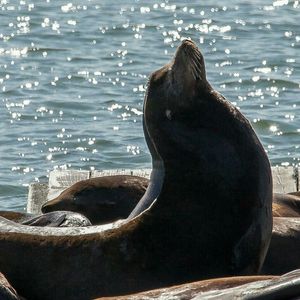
(187, 42)
(45, 208)
(188, 66)
(55, 205)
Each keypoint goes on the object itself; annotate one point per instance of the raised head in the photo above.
(188, 63)
(184, 75)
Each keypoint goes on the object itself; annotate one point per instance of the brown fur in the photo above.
(190, 290)
(14, 216)
(284, 251)
(102, 199)
(286, 205)
(7, 292)
(207, 221)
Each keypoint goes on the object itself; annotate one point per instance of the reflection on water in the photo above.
(73, 76)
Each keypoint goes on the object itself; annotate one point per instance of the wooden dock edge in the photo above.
(285, 180)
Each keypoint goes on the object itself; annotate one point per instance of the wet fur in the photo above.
(208, 220)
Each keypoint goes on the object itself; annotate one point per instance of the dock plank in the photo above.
(37, 195)
(138, 172)
(284, 180)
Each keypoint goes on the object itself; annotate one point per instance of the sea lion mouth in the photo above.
(188, 62)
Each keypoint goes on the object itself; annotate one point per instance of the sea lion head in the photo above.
(178, 85)
(101, 199)
(182, 78)
(175, 91)
(188, 66)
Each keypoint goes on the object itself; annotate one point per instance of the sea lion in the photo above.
(93, 192)
(285, 287)
(103, 202)
(101, 199)
(211, 152)
(286, 205)
(52, 219)
(110, 198)
(58, 219)
(15, 216)
(7, 292)
(283, 253)
(193, 289)
(203, 146)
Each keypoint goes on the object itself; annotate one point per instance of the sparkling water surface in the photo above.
(73, 77)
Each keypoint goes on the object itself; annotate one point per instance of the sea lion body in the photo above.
(193, 289)
(204, 149)
(269, 287)
(17, 217)
(286, 205)
(58, 219)
(101, 199)
(7, 292)
(216, 168)
(283, 253)
(52, 219)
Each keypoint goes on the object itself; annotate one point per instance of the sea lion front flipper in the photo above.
(59, 219)
(46, 220)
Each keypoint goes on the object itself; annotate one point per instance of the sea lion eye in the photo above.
(169, 114)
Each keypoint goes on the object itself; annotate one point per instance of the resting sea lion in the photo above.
(15, 216)
(7, 292)
(242, 288)
(58, 219)
(191, 290)
(101, 199)
(203, 146)
(284, 251)
(286, 205)
(52, 219)
(110, 198)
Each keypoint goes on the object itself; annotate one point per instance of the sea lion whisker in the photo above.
(196, 69)
(193, 52)
(197, 65)
(194, 74)
(196, 58)
(197, 54)
(192, 61)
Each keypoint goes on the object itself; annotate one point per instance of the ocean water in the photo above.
(73, 76)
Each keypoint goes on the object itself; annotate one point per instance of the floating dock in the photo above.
(285, 180)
